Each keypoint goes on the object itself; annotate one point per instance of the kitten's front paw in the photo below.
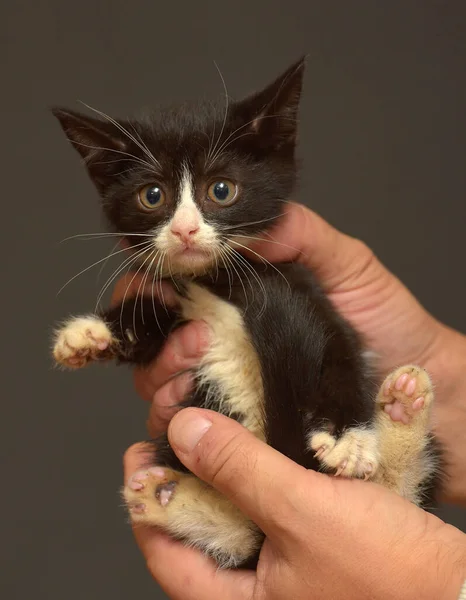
(148, 494)
(82, 340)
(354, 454)
(406, 393)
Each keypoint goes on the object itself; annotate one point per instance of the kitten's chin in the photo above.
(190, 262)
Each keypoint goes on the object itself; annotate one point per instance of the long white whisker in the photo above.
(131, 156)
(272, 241)
(94, 265)
(231, 263)
(171, 274)
(223, 256)
(103, 265)
(125, 132)
(226, 112)
(143, 283)
(130, 260)
(234, 256)
(141, 288)
(126, 293)
(241, 258)
(99, 235)
(246, 224)
(154, 283)
(222, 147)
(264, 260)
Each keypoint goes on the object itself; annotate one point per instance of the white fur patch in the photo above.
(82, 339)
(187, 218)
(197, 513)
(231, 361)
(354, 454)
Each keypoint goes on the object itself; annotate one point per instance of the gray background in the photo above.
(383, 144)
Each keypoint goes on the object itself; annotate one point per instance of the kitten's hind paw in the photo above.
(148, 494)
(406, 393)
(354, 454)
(82, 340)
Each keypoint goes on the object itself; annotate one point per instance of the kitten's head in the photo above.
(189, 184)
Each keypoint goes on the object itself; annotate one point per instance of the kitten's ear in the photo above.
(94, 140)
(272, 113)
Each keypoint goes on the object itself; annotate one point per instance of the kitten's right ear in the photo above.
(93, 139)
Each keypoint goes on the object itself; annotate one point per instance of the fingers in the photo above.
(263, 483)
(180, 353)
(333, 256)
(166, 383)
(167, 402)
(187, 574)
(183, 573)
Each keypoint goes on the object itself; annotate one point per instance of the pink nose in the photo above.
(184, 231)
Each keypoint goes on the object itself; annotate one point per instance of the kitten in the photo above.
(188, 189)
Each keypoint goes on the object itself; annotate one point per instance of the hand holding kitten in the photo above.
(326, 538)
(393, 323)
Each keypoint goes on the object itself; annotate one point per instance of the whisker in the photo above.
(103, 265)
(126, 293)
(140, 287)
(223, 255)
(123, 130)
(272, 241)
(264, 260)
(241, 258)
(131, 156)
(225, 115)
(130, 260)
(154, 283)
(230, 227)
(94, 265)
(231, 263)
(222, 146)
(142, 284)
(99, 235)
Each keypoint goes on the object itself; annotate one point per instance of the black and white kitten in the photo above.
(189, 188)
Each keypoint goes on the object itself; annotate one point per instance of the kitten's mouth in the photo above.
(191, 258)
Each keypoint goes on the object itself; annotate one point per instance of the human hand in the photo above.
(392, 322)
(326, 538)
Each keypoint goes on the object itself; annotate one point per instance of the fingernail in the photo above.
(187, 429)
(191, 340)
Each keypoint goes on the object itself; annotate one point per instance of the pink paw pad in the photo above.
(165, 491)
(399, 391)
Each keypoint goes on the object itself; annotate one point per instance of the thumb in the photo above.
(260, 481)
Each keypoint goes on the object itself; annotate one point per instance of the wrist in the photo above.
(453, 570)
(447, 366)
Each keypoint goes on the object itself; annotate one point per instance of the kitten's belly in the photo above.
(231, 362)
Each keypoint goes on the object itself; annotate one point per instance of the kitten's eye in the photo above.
(222, 192)
(151, 197)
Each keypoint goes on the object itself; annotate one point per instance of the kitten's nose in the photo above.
(184, 231)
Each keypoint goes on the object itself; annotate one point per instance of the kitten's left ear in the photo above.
(100, 143)
(272, 113)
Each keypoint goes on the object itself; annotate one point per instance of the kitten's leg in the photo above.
(354, 454)
(132, 332)
(403, 427)
(193, 512)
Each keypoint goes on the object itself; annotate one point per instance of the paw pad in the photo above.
(406, 392)
(150, 491)
(82, 340)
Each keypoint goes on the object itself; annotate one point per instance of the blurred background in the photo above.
(383, 144)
